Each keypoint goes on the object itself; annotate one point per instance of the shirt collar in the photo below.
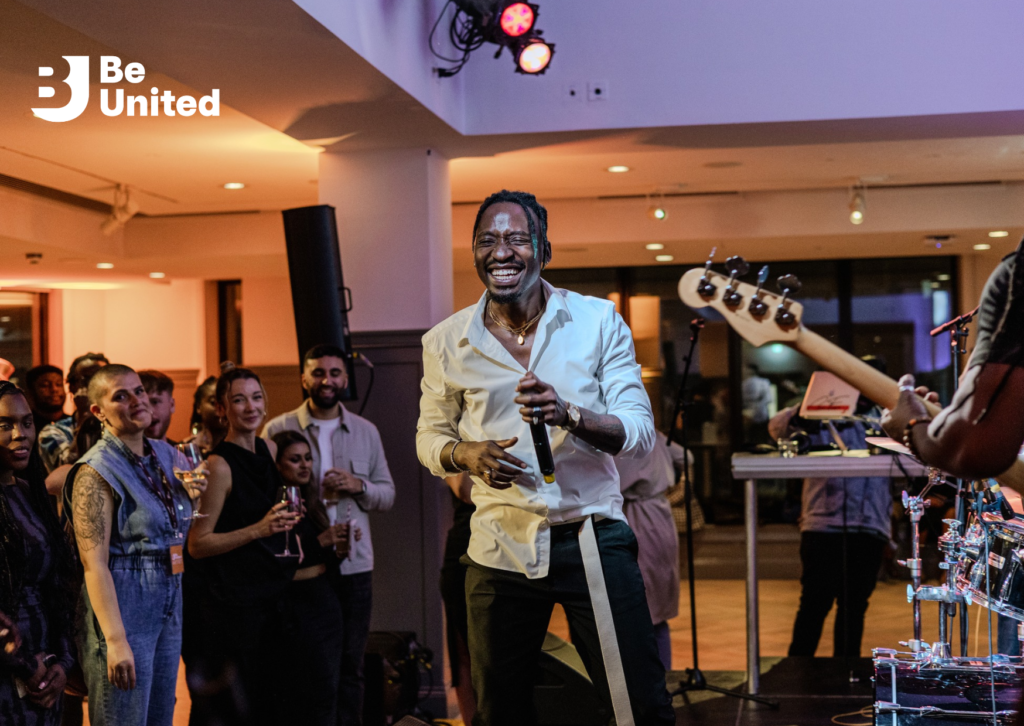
(306, 418)
(475, 333)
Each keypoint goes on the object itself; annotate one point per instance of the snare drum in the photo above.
(1005, 567)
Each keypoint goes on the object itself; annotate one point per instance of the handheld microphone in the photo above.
(542, 447)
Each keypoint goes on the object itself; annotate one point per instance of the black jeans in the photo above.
(314, 642)
(355, 592)
(509, 616)
(821, 554)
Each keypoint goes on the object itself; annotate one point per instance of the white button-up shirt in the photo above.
(584, 349)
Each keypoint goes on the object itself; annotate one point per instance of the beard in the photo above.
(506, 297)
(325, 397)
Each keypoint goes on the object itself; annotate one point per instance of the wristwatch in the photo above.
(572, 417)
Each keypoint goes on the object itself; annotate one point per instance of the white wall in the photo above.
(268, 322)
(393, 37)
(672, 63)
(144, 326)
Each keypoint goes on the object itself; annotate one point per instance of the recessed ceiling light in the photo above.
(655, 246)
(618, 169)
(104, 265)
(999, 233)
(234, 185)
(982, 247)
(157, 275)
(664, 258)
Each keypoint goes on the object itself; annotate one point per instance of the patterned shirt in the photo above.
(55, 442)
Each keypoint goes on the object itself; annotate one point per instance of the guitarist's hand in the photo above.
(909, 406)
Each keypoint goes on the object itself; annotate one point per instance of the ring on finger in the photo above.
(537, 415)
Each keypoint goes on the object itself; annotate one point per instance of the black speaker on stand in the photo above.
(319, 296)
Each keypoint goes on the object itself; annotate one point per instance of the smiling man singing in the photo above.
(530, 352)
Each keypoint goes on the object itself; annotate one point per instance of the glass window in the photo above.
(229, 309)
(21, 328)
(896, 303)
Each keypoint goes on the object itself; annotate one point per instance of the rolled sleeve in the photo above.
(623, 389)
(440, 410)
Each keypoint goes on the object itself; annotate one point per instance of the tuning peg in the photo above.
(706, 288)
(788, 285)
(737, 267)
(757, 307)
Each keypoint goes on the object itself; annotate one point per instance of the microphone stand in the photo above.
(957, 329)
(695, 680)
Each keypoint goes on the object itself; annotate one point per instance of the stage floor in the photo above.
(722, 637)
(808, 691)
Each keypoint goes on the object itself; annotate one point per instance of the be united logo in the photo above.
(119, 102)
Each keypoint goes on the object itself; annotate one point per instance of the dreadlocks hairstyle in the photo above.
(528, 203)
(62, 595)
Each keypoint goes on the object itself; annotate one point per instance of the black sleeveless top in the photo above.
(253, 571)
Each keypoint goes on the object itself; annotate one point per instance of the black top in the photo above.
(252, 571)
(1001, 314)
(35, 617)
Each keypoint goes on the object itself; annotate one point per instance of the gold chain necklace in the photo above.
(520, 333)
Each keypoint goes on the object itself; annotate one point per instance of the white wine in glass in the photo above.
(187, 477)
(293, 498)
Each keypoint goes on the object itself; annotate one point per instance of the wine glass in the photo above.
(293, 498)
(194, 456)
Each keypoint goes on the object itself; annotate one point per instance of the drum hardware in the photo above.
(915, 506)
(912, 689)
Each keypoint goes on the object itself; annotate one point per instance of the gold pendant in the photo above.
(522, 340)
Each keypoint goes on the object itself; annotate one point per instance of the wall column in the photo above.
(394, 218)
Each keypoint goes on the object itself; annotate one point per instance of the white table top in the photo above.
(773, 466)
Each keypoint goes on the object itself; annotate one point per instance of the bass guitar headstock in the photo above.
(758, 315)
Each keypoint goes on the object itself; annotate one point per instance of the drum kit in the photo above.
(984, 565)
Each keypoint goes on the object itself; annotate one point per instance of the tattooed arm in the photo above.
(92, 506)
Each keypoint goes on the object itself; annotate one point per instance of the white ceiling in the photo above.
(310, 87)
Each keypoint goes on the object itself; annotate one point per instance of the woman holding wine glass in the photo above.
(273, 615)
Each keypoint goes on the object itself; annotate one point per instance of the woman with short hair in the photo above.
(130, 519)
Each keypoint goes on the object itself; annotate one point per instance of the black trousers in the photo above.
(509, 616)
(822, 584)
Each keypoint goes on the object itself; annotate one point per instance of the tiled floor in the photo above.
(722, 626)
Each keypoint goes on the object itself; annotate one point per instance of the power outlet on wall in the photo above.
(597, 90)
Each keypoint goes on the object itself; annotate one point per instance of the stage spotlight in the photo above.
(517, 19)
(506, 23)
(858, 206)
(657, 213)
(534, 56)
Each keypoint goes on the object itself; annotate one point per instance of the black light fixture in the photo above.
(506, 23)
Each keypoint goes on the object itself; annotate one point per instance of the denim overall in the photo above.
(148, 595)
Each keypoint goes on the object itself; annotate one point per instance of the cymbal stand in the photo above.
(957, 329)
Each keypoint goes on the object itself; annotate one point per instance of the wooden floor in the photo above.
(722, 626)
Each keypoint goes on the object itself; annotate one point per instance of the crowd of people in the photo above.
(122, 552)
(244, 550)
